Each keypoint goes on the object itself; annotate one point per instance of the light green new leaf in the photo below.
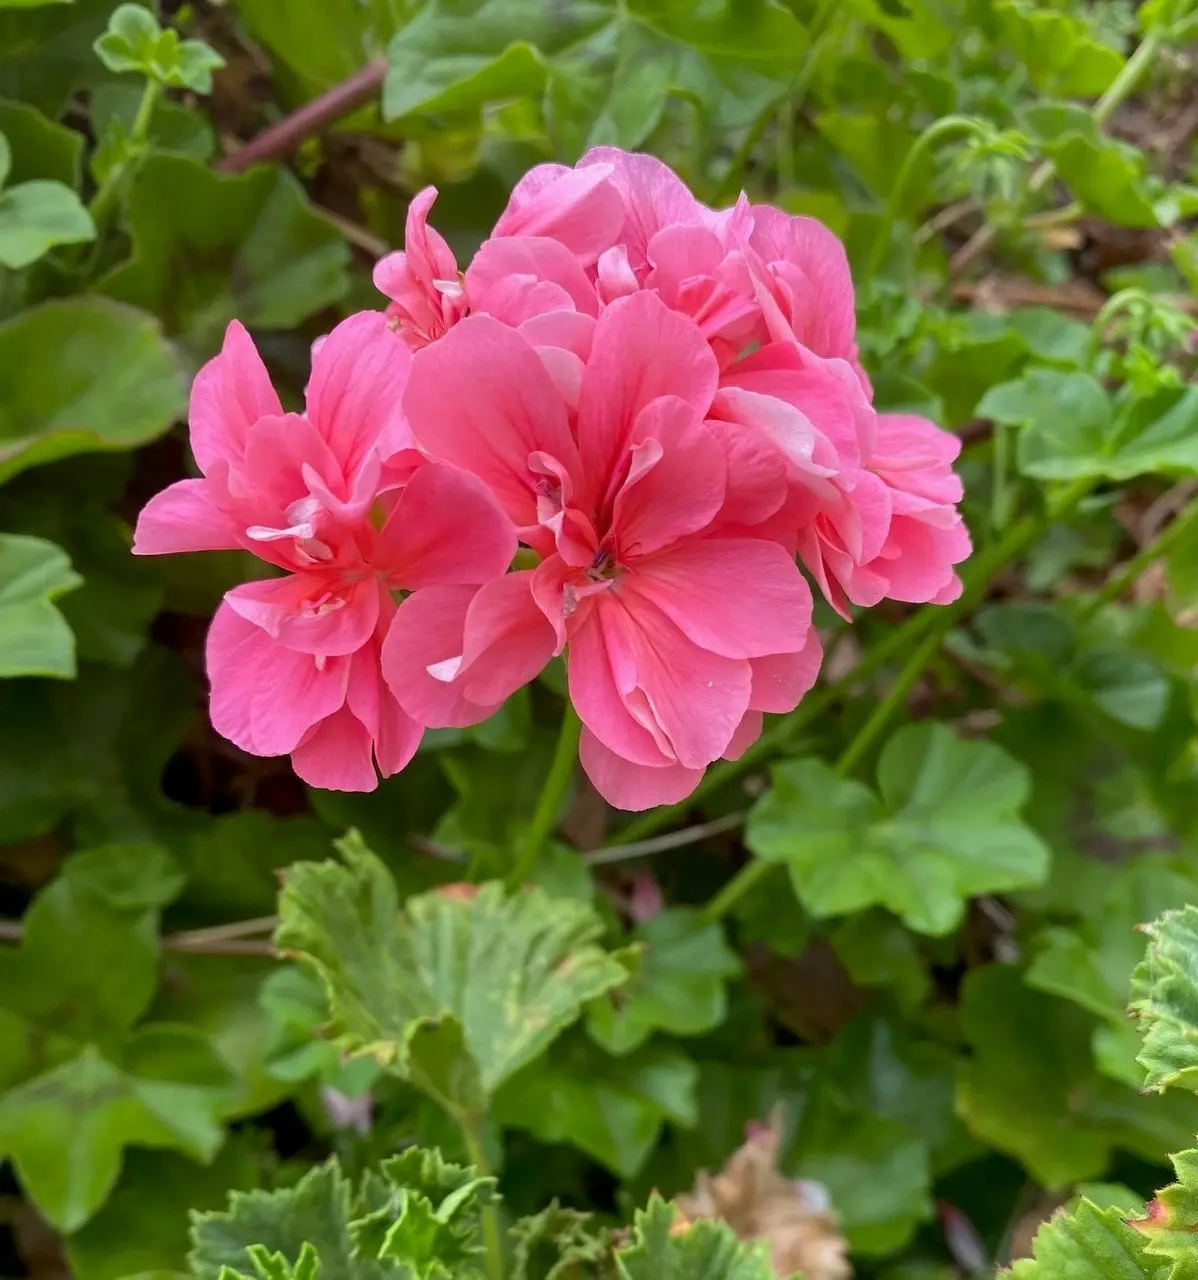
(83, 375)
(1164, 990)
(679, 985)
(606, 69)
(135, 42)
(454, 993)
(34, 637)
(66, 1130)
(1170, 1223)
(1086, 1243)
(945, 827)
(1072, 430)
(556, 1243)
(705, 1250)
(36, 216)
(209, 247)
(1058, 49)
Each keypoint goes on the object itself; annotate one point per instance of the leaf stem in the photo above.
(109, 190)
(1148, 554)
(940, 131)
(489, 1214)
(976, 578)
(549, 803)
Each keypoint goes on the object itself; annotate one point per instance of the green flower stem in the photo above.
(549, 803)
(941, 131)
(492, 1228)
(102, 202)
(1148, 554)
(976, 578)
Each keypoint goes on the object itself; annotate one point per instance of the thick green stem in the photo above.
(553, 795)
(943, 618)
(491, 1225)
(943, 129)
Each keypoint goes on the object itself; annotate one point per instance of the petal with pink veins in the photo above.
(737, 597)
(580, 208)
(265, 698)
(337, 755)
(506, 640)
(183, 517)
(782, 680)
(444, 530)
(533, 256)
(230, 393)
(311, 613)
(747, 733)
(629, 786)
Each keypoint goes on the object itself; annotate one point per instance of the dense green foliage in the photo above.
(906, 917)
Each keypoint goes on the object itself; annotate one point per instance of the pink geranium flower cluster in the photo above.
(661, 403)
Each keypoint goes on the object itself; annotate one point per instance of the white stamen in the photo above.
(263, 533)
(321, 659)
(451, 289)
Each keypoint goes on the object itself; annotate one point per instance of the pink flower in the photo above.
(336, 499)
(679, 634)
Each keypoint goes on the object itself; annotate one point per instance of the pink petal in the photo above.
(598, 695)
(579, 208)
(506, 641)
(694, 698)
(676, 483)
(756, 485)
(641, 351)
(355, 391)
(444, 530)
(336, 755)
(395, 735)
(740, 598)
(265, 698)
(781, 680)
(747, 733)
(278, 448)
(183, 517)
(480, 398)
(427, 632)
(230, 393)
(630, 786)
(310, 613)
(542, 259)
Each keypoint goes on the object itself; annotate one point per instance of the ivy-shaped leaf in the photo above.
(944, 827)
(37, 216)
(83, 375)
(1072, 430)
(606, 69)
(679, 985)
(209, 247)
(34, 637)
(135, 42)
(1164, 990)
(1058, 49)
(454, 993)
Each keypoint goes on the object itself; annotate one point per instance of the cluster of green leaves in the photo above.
(932, 996)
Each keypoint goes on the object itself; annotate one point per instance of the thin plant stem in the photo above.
(941, 131)
(1148, 554)
(109, 190)
(492, 1228)
(660, 844)
(976, 578)
(549, 803)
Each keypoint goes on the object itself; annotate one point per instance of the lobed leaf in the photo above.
(1164, 990)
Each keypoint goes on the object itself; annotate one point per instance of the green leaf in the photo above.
(611, 1108)
(37, 216)
(65, 1130)
(1164, 988)
(702, 1251)
(556, 1244)
(46, 52)
(1031, 1090)
(606, 70)
(1086, 1243)
(208, 248)
(34, 637)
(41, 148)
(878, 952)
(135, 42)
(112, 108)
(83, 375)
(1058, 50)
(679, 986)
(455, 994)
(945, 827)
(1072, 431)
